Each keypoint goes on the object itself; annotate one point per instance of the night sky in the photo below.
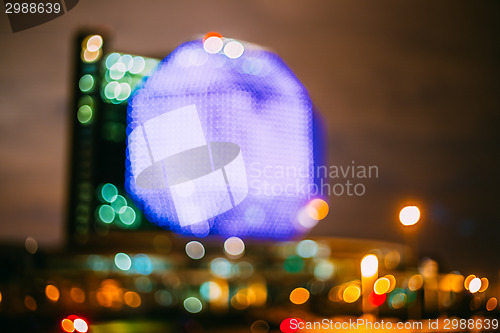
(411, 87)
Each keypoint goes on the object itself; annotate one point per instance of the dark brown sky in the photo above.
(412, 87)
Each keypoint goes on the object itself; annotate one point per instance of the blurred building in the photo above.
(119, 272)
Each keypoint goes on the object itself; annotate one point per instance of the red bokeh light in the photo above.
(376, 300)
(288, 327)
(211, 34)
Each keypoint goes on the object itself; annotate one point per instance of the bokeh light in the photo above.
(77, 295)
(221, 267)
(299, 296)
(210, 291)
(193, 305)
(30, 303)
(84, 114)
(234, 49)
(259, 326)
(132, 299)
(80, 325)
(31, 245)
(52, 293)
(409, 215)
(123, 261)
(86, 83)
(234, 247)
(213, 44)
(381, 286)
(415, 282)
(307, 248)
(195, 250)
(369, 265)
(351, 293)
(317, 209)
(67, 325)
(475, 285)
(376, 299)
(94, 43)
(491, 304)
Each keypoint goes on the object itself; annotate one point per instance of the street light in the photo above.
(409, 215)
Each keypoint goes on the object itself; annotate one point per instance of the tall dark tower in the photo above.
(102, 84)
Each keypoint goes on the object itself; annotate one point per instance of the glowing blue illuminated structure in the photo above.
(221, 143)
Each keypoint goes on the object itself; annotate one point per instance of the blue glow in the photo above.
(208, 136)
(142, 264)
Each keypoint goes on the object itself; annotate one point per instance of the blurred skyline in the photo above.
(409, 87)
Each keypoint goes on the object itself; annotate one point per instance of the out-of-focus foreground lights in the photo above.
(31, 245)
(415, 282)
(382, 286)
(94, 43)
(132, 299)
(369, 265)
(234, 49)
(409, 215)
(52, 293)
(91, 48)
(195, 250)
(351, 293)
(318, 209)
(475, 285)
(193, 305)
(73, 323)
(307, 248)
(123, 261)
(213, 44)
(491, 304)
(80, 325)
(299, 296)
(234, 247)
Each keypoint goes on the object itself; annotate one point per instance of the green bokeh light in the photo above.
(119, 204)
(127, 215)
(109, 192)
(86, 83)
(293, 264)
(84, 114)
(106, 214)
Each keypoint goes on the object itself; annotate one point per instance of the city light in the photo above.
(409, 215)
(317, 209)
(80, 325)
(475, 285)
(123, 261)
(74, 323)
(195, 250)
(30, 303)
(299, 296)
(307, 248)
(351, 293)
(381, 286)
(369, 265)
(234, 247)
(213, 44)
(132, 299)
(86, 83)
(193, 305)
(67, 325)
(31, 245)
(179, 133)
(52, 293)
(94, 43)
(415, 282)
(77, 295)
(491, 304)
(234, 49)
